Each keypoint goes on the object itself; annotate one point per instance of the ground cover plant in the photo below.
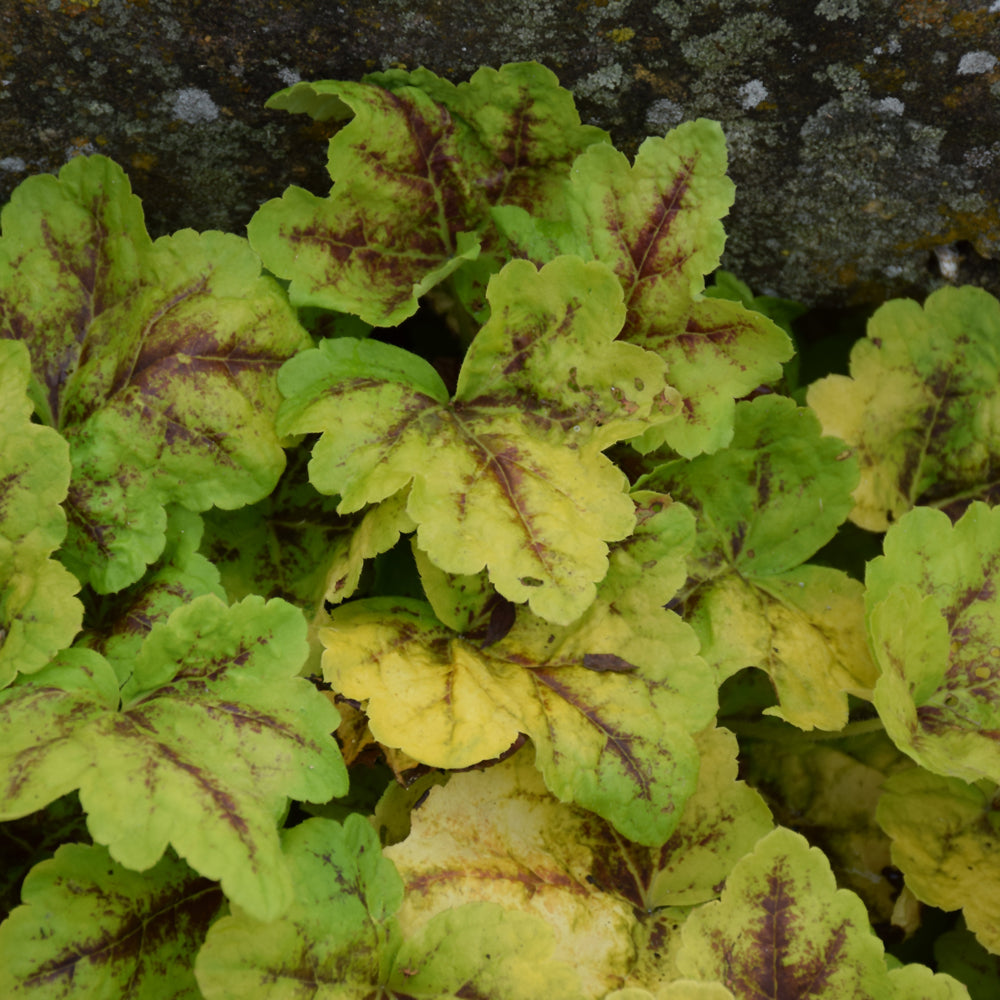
(443, 593)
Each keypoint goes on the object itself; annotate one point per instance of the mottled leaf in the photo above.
(214, 733)
(415, 173)
(618, 742)
(656, 223)
(921, 406)
(39, 611)
(945, 837)
(932, 607)
(481, 950)
(509, 474)
(764, 505)
(340, 940)
(90, 927)
(156, 361)
(782, 929)
(335, 940)
(499, 835)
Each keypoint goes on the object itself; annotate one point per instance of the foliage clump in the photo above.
(458, 484)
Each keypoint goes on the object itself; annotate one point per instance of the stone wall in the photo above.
(864, 135)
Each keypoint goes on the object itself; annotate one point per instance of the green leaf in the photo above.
(338, 936)
(39, 611)
(918, 981)
(764, 505)
(656, 223)
(932, 608)
(156, 361)
(122, 621)
(919, 407)
(415, 173)
(959, 954)
(945, 834)
(611, 702)
(509, 474)
(339, 940)
(90, 927)
(215, 733)
(783, 929)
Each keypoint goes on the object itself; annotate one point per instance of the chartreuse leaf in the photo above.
(156, 361)
(920, 408)
(90, 927)
(932, 604)
(509, 474)
(913, 981)
(39, 610)
(340, 939)
(415, 173)
(214, 733)
(611, 702)
(764, 505)
(783, 929)
(498, 835)
(656, 223)
(945, 834)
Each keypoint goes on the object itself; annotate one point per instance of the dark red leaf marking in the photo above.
(605, 662)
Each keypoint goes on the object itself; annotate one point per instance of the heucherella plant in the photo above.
(442, 592)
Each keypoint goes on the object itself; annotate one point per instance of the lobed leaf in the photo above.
(944, 840)
(90, 927)
(335, 940)
(611, 702)
(764, 505)
(656, 223)
(509, 474)
(214, 733)
(783, 929)
(39, 611)
(920, 408)
(156, 361)
(415, 173)
(340, 938)
(932, 604)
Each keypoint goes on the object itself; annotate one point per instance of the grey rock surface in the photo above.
(864, 135)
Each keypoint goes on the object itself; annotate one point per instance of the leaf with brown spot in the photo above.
(920, 408)
(156, 361)
(932, 605)
(215, 732)
(415, 173)
(783, 929)
(657, 224)
(90, 927)
(764, 505)
(509, 474)
(620, 743)
(39, 611)
(340, 938)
